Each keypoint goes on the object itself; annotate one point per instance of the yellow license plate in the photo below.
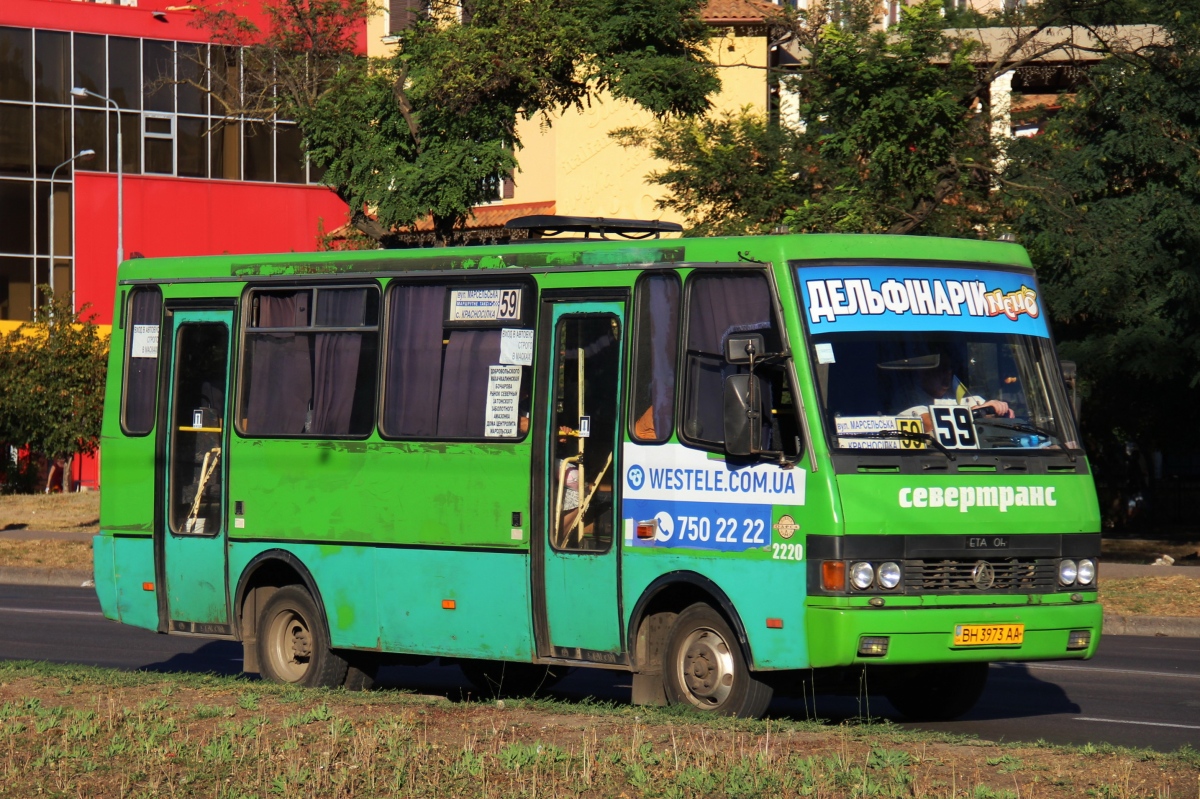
(988, 634)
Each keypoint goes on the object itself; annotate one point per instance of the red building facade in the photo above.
(194, 181)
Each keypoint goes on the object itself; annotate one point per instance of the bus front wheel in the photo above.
(938, 692)
(293, 644)
(705, 668)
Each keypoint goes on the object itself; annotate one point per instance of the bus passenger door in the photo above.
(577, 606)
(193, 563)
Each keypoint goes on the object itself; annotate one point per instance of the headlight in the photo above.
(1067, 572)
(1087, 572)
(862, 575)
(889, 575)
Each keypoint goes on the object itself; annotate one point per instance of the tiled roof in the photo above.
(486, 217)
(494, 216)
(733, 12)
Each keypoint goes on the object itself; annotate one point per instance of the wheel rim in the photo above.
(706, 668)
(290, 641)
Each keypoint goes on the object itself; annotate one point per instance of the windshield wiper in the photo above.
(908, 435)
(1023, 427)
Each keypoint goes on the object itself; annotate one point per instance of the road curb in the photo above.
(1164, 626)
(12, 575)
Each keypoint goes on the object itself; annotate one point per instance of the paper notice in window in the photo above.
(516, 346)
(503, 396)
(145, 342)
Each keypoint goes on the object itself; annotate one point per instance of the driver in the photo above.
(938, 385)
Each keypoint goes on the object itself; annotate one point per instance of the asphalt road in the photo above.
(1137, 691)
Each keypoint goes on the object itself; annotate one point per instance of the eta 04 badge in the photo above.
(786, 526)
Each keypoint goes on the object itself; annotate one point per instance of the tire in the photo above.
(495, 678)
(293, 643)
(937, 692)
(705, 668)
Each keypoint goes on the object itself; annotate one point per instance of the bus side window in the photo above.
(445, 381)
(720, 305)
(309, 362)
(144, 317)
(655, 348)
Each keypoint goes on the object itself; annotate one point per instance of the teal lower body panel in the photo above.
(926, 635)
(103, 562)
(122, 566)
(445, 602)
(757, 589)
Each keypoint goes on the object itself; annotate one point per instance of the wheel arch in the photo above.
(663, 600)
(267, 572)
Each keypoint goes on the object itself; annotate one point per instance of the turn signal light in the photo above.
(449, 604)
(647, 529)
(774, 624)
(833, 575)
(147, 586)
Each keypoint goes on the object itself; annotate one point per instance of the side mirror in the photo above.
(738, 349)
(743, 419)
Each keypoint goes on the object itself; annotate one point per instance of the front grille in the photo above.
(1012, 575)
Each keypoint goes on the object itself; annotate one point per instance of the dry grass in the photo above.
(1174, 595)
(57, 512)
(72, 731)
(47, 554)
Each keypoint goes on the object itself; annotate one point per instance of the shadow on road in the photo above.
(213, 657)
(1012, 692)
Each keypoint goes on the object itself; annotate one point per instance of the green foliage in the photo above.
(429, 132)
(1108, 203)
(52, 381)
(890, 116)
(890, 142)
(732, 174)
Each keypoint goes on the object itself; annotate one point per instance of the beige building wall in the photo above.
(576, 163)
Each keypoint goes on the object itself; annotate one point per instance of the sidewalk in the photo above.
(1168, 626)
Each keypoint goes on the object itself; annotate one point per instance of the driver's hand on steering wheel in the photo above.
(997, 407)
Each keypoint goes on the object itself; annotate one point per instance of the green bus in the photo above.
(724, 465)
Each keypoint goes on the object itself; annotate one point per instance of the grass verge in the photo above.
(79, 731)
(76, 512)
(1174, 595)
(47, 554)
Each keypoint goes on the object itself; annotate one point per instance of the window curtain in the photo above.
(413, 373)
(141, 389)
(663, 302)
(465, 378)
(335, 360)
(280, 384)
(719, 307)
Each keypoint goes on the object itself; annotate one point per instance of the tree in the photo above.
(428, 132)
(1107, 201)
(896, 134)
(52, 381)
(730, 175)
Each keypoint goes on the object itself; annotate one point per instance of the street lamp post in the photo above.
(82, 155)
(79, 91)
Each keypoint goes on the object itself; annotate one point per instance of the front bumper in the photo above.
(926, 635)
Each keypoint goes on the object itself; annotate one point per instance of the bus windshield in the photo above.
(914, 359)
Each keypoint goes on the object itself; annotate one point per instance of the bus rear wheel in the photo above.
(705, 668)
(938, 692)
(293, 643)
